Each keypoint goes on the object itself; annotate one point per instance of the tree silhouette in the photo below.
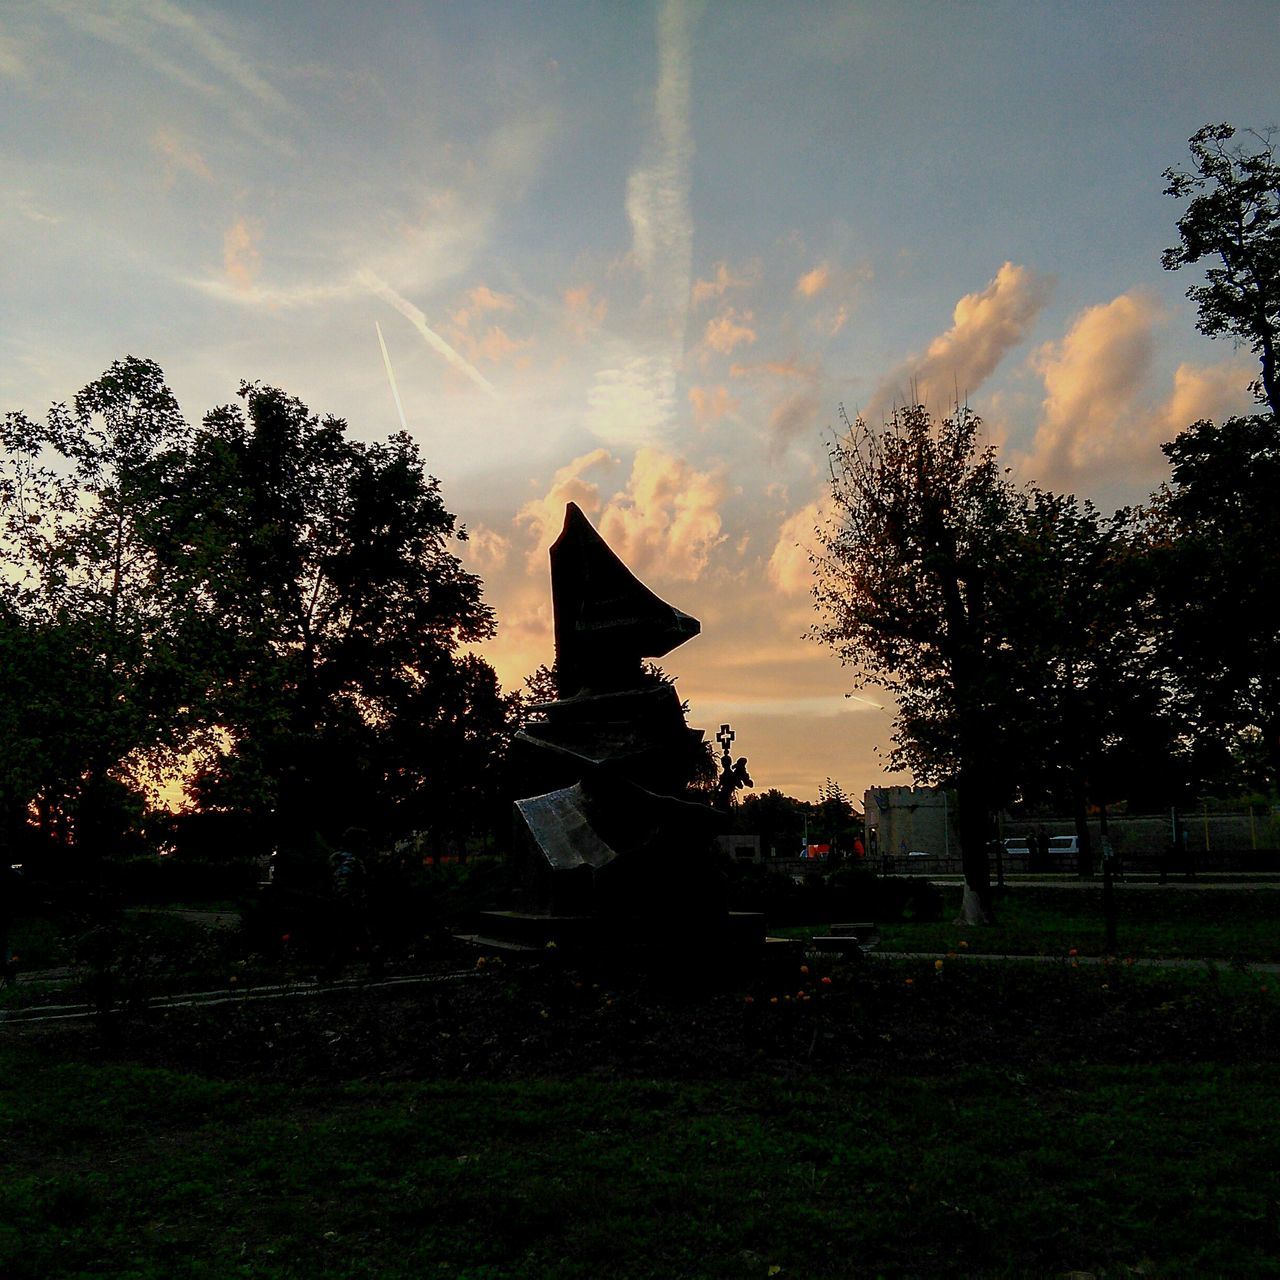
(1234, 217)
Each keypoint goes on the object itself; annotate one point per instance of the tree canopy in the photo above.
(1233, 217)
(263, 593)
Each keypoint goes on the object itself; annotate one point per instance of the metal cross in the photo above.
(725, 736)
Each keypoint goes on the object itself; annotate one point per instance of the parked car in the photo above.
(1064, 846)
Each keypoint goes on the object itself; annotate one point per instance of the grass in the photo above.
(121, 1170)
(1222, 924)
(975, 1120)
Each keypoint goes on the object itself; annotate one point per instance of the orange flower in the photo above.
(773, 999)
(937, 964)
(910, 982)
(1073, 952)
(804, 968)
(962, 943)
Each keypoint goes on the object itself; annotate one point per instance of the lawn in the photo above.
(1223, 924)
(898, 1120)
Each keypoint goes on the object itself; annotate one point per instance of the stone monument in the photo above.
(613, 852)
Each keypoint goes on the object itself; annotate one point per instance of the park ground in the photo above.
(933, 1113)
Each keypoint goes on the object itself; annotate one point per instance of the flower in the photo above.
(804, 968)
(286, 937)
(962, 943)
(937, 964)
(233, 978)
(481, 962)
(748, 999)
(773, 999)
(910, 982)
(826, 982)
(1073, 952)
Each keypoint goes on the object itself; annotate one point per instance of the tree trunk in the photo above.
(973, 828)
(1084, 860)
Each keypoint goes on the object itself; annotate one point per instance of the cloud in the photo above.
(833, 323)
(179, 156)
(730, 329)
(789, 568)
(724, 279)
(174, 44)
(1097, 415)
(1092, 381)
(240, 257)
(429, 336)
(664, 521)
(486, 549)
(13, 62)
(484, 299)
(496, 345)
(774, 369)
(710, 404)
(586, 311)
(667, 520)
(985, 327)
(543, 517)
(793, 417)
(658, 190)
(633, 400)
(814, 282)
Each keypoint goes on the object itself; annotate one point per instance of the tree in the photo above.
(1078, 620)
(1234, 217)
(1215, 532)
(337, 617)
(910, 570)
(105, 674)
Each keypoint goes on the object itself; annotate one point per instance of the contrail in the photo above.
(391, 378)
(433, 339)
(868, 701)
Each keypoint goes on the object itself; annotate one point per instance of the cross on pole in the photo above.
(725, 736)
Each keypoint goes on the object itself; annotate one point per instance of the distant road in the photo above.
(1246, 880)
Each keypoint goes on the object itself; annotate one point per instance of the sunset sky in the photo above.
(636, 255)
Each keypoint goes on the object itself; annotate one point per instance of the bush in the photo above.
(177, 879)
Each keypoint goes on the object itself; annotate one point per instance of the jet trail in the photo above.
(391, 377)
(432, 339)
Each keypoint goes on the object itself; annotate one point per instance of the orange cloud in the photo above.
(985, 327)
(1097, 415)
(179, 156)
(485, 549)
(543, 517)
(789, 568)
(774, 369)
(814, 282)
(495, 346)
(586, 312)
(667, 519)
(484, 299)
(706, 290)
(710, 404)
(240, 257)
(729, 330)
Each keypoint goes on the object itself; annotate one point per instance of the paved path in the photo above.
(1121, 886)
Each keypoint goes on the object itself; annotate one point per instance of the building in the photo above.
(906, 821)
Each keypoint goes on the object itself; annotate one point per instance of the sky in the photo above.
(637, 256)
